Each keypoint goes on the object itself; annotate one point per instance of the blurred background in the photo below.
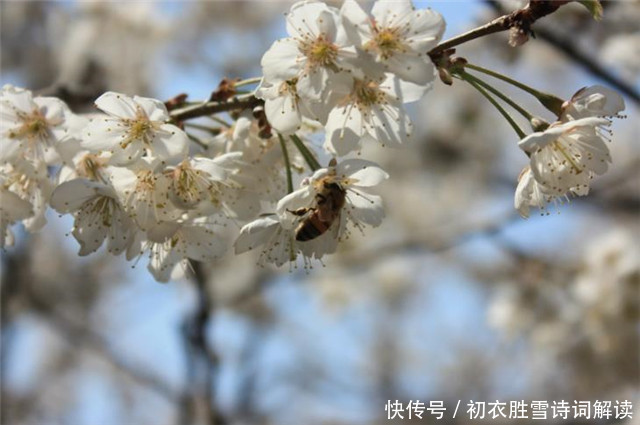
(454, 297)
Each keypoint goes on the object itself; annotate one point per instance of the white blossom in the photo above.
(397, 35)
(30, 126)
(132, 127)
(98, 215)
(286, 109)
(371, 112)
(143, 190)
(312, 220)
(567, 155)
(210, 186)
(317, 48)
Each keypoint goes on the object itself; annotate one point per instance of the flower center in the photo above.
(386, 42)
(90, 166)
(367, 93)
(33, 126)
(319, 52)
(140, 128)
(190, 184)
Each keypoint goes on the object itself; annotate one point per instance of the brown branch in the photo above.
(199, 398)
(521, 19)
(210, 108)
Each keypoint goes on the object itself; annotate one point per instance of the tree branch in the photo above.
(521, 18)
(199, 399)
(210, 108)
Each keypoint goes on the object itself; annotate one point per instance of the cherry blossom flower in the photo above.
(30, 126)
(316, 50)
(132, 127)
(570, 152)
(144, 192)
(173, 243)
(286, 109)
(567, 155)
(325, 203)
(352, 178)
(371, 111)
(397, 35)
(98, 215)
(210, 186)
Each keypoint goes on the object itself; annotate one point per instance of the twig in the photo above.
(570, 49)
(210, 108)
(521, 18)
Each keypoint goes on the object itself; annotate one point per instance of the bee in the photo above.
(328, 204)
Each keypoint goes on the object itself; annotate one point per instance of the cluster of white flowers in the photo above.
(570, 152)
(130, 175)
(350, 71)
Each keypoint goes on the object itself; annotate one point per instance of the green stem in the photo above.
(287, 163)
(500, 109)
(306, 154)
(501, 95)
(549, 101)
(248, 81)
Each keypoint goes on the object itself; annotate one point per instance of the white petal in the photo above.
(280, 61)
(12, 207)
(71, 195)
(283, 114)
(344, 130)
(203, 244)
(427, 27)
(356, 23)
(391, 124)
(153, 108)
(409, 67)
(365, 208)
(90, 232)
(312, 85)
(170, 142)
(120, 233)
(307, 17)
(390, 13)
(595, 101)
(117, 104)
(256, 233)
(361, 173)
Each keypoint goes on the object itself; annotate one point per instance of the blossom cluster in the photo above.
(137, 179)
(350, 71)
